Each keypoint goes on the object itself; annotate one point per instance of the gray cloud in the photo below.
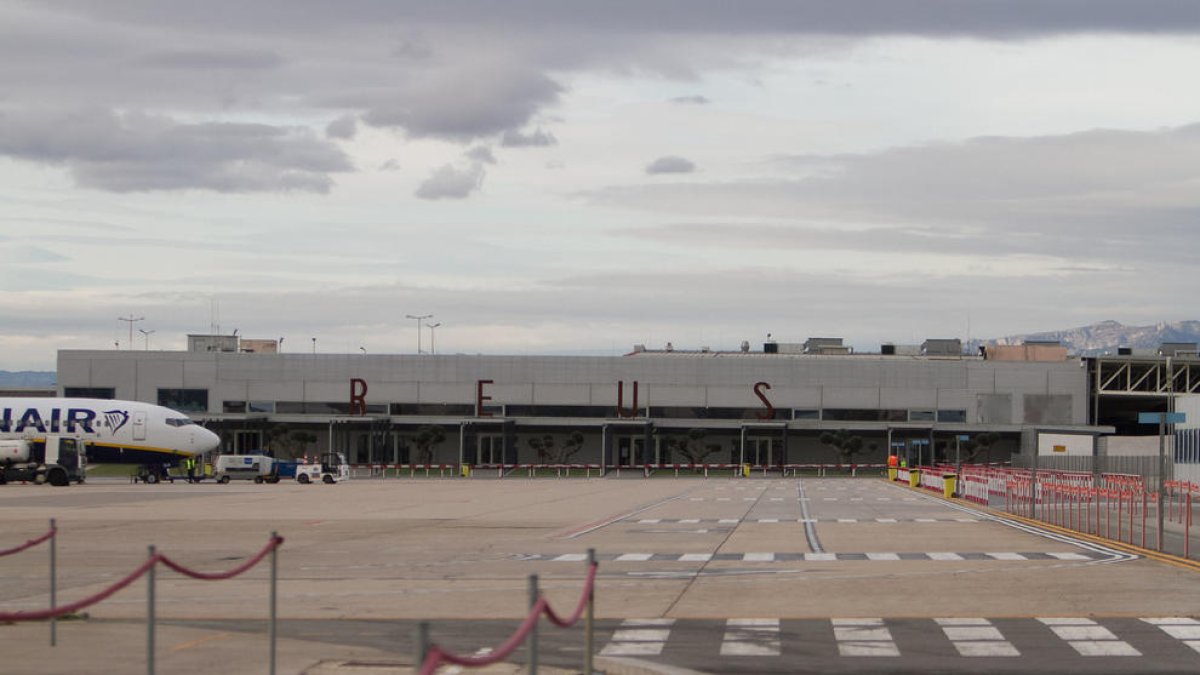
(535, 138)
(451, 182)
(1100, 195)
(691, 100)
(670, 164)
(344, 127)
(233, 59)
(481, 154)
(390, 165)
(138, 152)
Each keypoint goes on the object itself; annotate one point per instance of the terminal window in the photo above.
(90, 392)
(184, 400)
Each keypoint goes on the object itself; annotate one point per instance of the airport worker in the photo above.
(893, 461)
(190, 463)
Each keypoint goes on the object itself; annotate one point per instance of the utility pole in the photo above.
(131, 320)
(419, 319)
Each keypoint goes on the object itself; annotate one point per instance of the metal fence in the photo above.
(1145, 466)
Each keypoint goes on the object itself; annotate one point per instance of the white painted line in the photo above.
(769, 520)
(972, 633)
(1068, 556)
(695, 499)
(690, 521)
(695, 557)
(724, 499)
(570, 557)
(820, 557)
(751, 637)
(1104, 648)
(847, 520)
(1069, 621)
(886, 520)
(883, 556)
(1182, 632)
(856, 622)
(776, 499)
(728, 521)
(748, 499)
(988, 648)
(650, 521)
(1006, 556)
(759, 557)
(864, 637)
(634, 557)
(966, 520)
(1194, 644)
(925, 520)
(944, 556)
(1181, 628)
(1172, 621)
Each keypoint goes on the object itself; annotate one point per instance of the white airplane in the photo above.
(113, 431)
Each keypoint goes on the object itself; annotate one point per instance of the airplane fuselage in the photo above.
(123, 431)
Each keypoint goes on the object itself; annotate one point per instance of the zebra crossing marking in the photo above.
(864, 637)
(976, 637)
(1181, 628)
(639, 637)
(795, 556)
(751, 637)
(735, 521)
(1089, 638)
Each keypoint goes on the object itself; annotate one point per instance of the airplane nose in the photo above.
(207, 440)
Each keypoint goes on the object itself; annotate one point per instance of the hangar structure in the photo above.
(765, 408)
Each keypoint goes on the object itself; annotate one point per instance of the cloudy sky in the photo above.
(561, 177)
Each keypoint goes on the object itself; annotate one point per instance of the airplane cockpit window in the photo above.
(179, 421)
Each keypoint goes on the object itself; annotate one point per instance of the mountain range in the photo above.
(1105, 336)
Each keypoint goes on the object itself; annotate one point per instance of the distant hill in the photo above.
(1106, 336)
(28, 378)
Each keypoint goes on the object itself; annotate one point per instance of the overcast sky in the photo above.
(559, 177)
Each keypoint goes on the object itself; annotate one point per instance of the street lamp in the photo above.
(131, 319)
(146, 334)
(432, 349)
(419, 319)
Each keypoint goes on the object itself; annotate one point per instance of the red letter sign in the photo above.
(480, 398)
(358, 396)
(633, 411)
(770, 413)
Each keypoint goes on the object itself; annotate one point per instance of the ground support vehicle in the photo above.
(258, 468)
(53, 459)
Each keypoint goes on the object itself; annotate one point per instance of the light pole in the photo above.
(146, 334)
(432, 348)
(419, 319)
(314, 345)
(131, 319)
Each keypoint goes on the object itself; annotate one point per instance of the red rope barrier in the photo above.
(275, 542)
(437, 656)
(27, 545)
(63, 610)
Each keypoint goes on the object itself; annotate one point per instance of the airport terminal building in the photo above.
(769, 408)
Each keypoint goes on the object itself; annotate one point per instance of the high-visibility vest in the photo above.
(893, 461)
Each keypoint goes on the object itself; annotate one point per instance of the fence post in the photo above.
(422, 645)
(150, 613)
(53, 580)
(589, 625)
(274, 597)
(533, 634)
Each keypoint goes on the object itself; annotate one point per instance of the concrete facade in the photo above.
(489, 407)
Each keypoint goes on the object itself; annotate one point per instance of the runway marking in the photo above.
(863, 637)
(639, 637)
(976, 637)
(1184, 629)
(795, 556)
(751, 637)
(200, 641)
(1089, 638)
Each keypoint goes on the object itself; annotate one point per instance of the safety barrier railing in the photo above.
(564, 470)
(430, 655)
(147, 569)
(51, 536)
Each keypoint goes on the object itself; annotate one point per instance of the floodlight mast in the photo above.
(419, 318)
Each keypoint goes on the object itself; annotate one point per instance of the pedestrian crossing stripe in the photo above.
(791, 556)
(872, 637)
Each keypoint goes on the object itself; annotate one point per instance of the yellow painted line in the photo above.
(1170, 559)
(199, 641)
(140, 448)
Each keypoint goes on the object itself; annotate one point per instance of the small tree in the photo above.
(301, 439)
(691, 446)
(426, 438)
(571, 446)
(847, 446)
(544, 446)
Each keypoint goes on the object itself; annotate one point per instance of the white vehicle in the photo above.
(52, 459)
(258, 468)
(111, 431)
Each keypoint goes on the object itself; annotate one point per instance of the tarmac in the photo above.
(457, 551)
